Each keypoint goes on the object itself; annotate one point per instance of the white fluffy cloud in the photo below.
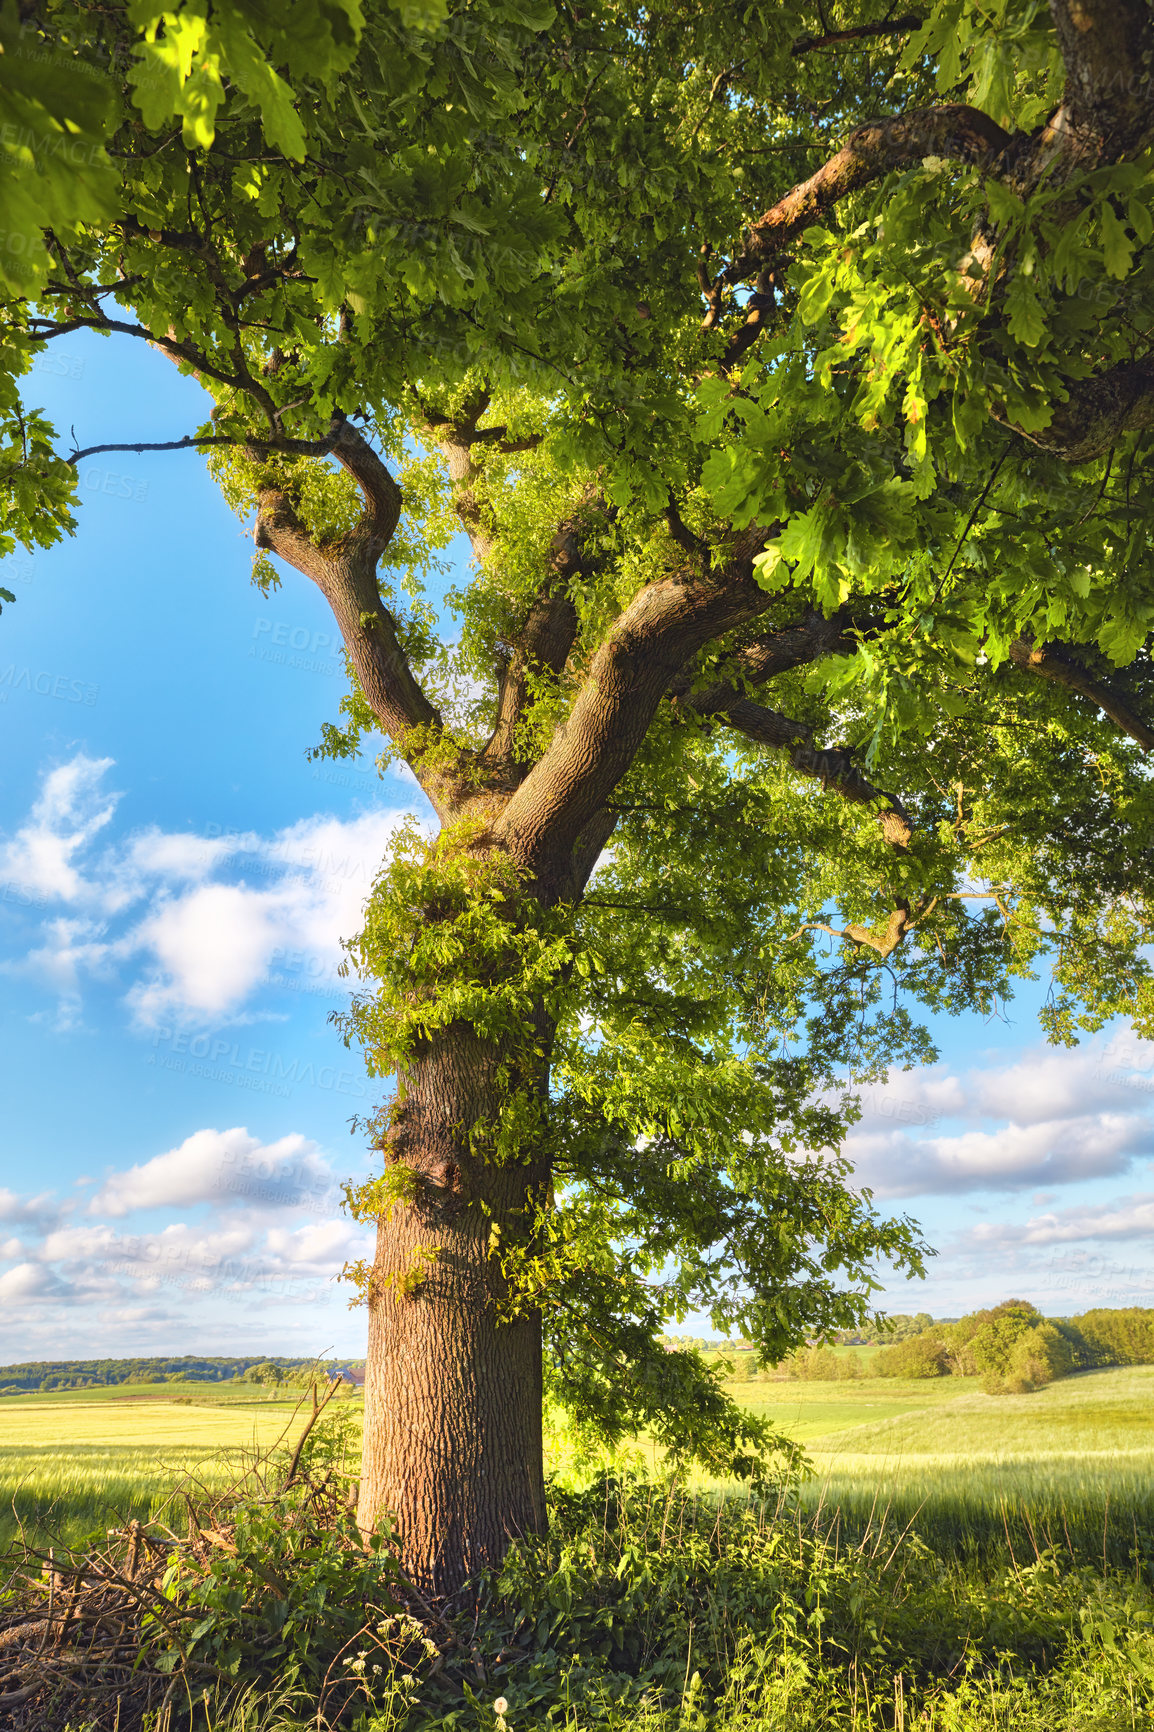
(29, 1281)
(1050, 1118)
(209, 949)
(220, 1167)
(264, 1247)
(1130, 1217)
(193, 926)
(72, 809)
(36, 1210)
(1010, 1157)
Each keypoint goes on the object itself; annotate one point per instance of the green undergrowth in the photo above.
(647, 1609)
(981, 1565)
(673, 1612)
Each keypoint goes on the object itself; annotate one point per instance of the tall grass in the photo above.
(1089, 1513)
(1070, 1468)
(55, 1496)
(69, 1471)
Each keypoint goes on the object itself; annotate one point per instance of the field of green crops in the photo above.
(76, 1462)
(1078, 1455)
(1070, 1467)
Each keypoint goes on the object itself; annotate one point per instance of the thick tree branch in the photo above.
(869, 154)
(897, 926)
(1108, 49)
(833, 767)
(345, 573)
(457, 436)
(1057, 662)
(794, 646)
(379, 491)
(666, 624)
(588, 848)
(1098, 411)
(542, 646)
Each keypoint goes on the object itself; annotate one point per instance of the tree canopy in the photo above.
(791, 377)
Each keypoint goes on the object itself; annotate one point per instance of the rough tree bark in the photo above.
(452, 1447)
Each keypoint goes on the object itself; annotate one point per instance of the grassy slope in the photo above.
(811, 1410)
(1070, 1467)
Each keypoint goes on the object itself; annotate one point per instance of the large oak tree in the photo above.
(789, 370)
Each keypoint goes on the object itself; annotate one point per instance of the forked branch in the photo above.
(345, 571)
(898, 924)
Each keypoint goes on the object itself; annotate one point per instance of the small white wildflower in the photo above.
(500, 1706)
(408, 1680)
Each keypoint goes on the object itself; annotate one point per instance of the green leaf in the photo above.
(280, 122)
(421, 14)
(1026, 319)
(1117, 247)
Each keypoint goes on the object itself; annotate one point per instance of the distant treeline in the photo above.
(97, 1373)
(1013, 1348)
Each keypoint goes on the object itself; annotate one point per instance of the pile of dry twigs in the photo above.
(71, 1635)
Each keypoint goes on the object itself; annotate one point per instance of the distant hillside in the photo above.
(90, 1373)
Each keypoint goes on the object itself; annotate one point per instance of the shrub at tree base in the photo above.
(642, 1606)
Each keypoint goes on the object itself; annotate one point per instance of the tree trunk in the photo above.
(452, 1443)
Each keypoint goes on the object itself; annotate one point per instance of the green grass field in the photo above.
(1073, 1462)
(1070, 1468)
(74, 1462)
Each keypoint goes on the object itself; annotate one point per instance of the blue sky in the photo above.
(175, 878)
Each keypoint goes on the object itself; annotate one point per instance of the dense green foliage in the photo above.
(648, 1608)
(59, 91)
(1011, 1346)
(1015, 1349)
(1120, 1337)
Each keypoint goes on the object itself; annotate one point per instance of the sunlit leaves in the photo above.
(55, 114)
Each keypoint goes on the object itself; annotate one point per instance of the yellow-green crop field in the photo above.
(1072, 1463)
(76, 1462)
